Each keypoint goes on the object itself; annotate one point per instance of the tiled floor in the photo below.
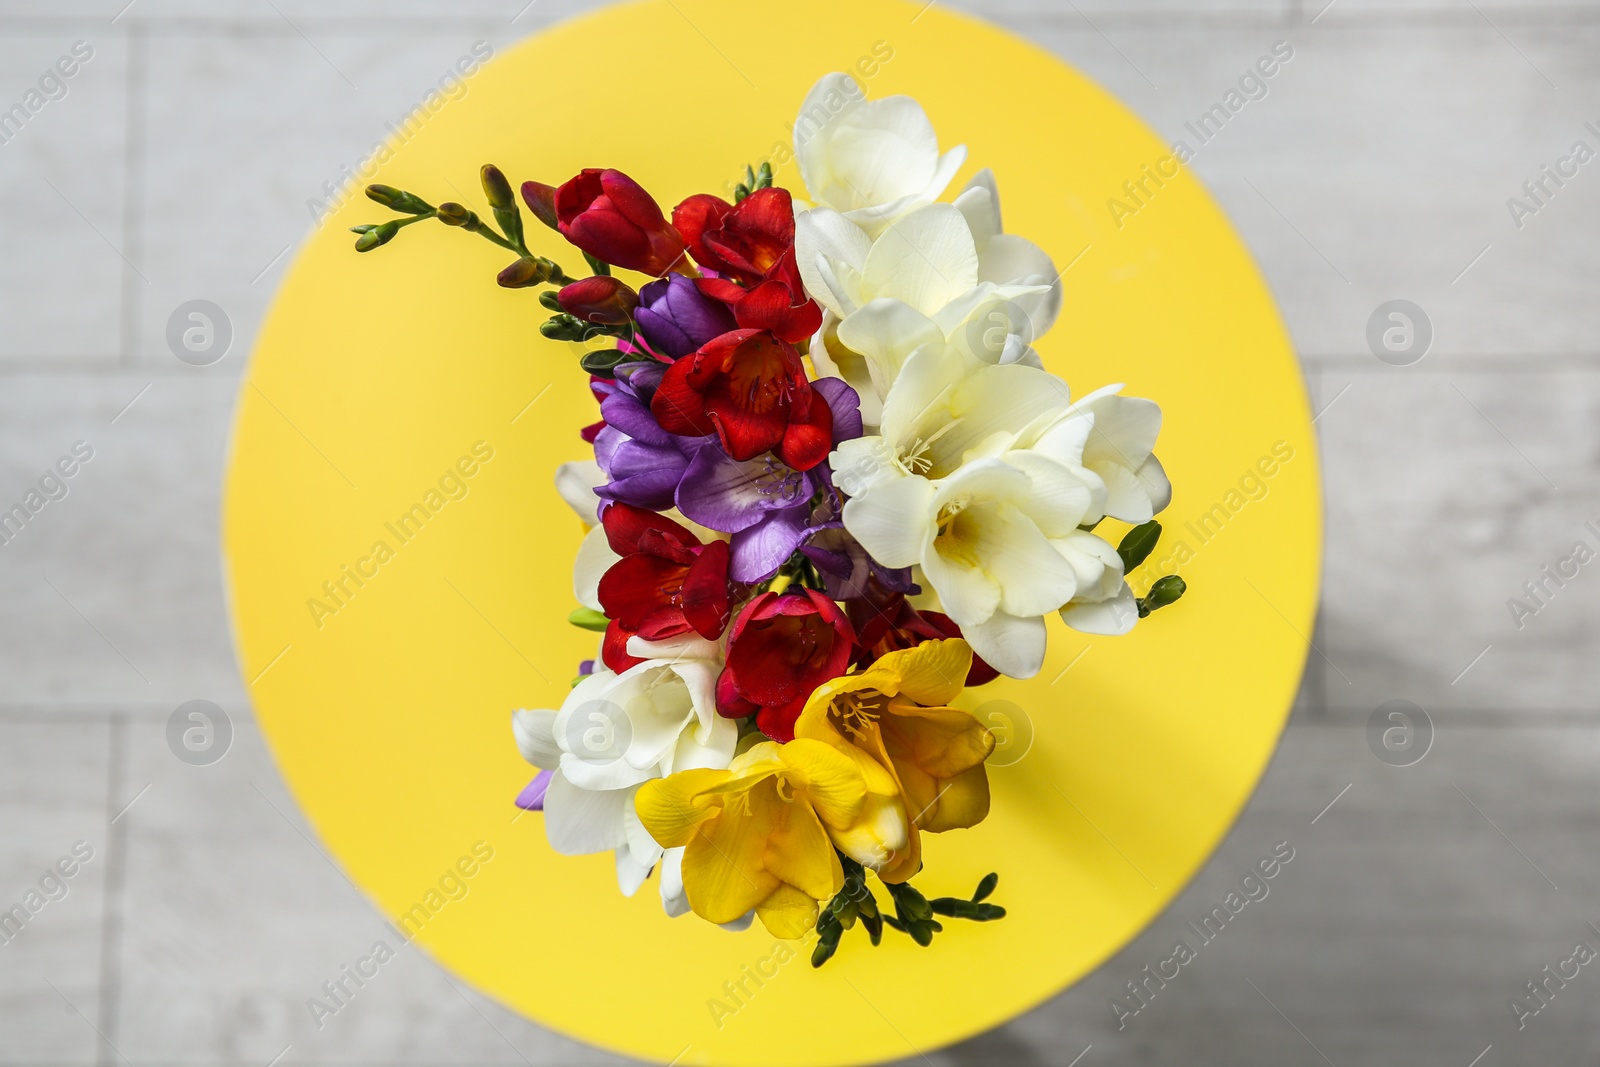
(1377, 167)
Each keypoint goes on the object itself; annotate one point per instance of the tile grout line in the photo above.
(111, 904)
(133, 192)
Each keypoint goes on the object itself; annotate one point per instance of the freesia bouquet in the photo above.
(833, 486)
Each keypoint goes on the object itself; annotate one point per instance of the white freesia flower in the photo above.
(872, 161)
(981, 476)
(1120, 448)
(1005, 259)
(615, 732)
(998, 540)
(942, 273)
(948, 408)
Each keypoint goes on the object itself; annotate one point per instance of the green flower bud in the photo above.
(378, 235)
(602, 362)
(496, 188)
(1164, 592)
(398, 199)
(565, 328)
(503, 201)
(525, 272)
(589, 619)
(1137, 544)
(986, 887)
(454, 214)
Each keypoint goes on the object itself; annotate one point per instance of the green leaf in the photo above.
(986, 887)
(1137, 544)
(589, 619)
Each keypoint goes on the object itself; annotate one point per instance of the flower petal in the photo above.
(760, 550)
(926, 259)
(581, 821)
(932, 673)
(534, 730)
(886, 331)
(1011, 645)
(822, 235)
(576, 483)
(1112, 617)
(893, 520)
(670, 808)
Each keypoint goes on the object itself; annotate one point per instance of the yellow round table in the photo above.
(399, 559)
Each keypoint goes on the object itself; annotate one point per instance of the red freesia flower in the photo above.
(886, 622)
(750, 389)
(751, 246)
(744, 242)
(611, 217)
(782, 646)
(773, 305)
(666, 584)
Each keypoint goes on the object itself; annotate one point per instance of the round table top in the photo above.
(392, 462)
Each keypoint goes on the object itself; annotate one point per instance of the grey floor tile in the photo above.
(114, 588)
(235, 918)
(1024, 15)
(63, 144)
(1510, 14)
(1445, 494)
(53, 780)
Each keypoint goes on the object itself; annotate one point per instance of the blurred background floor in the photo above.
(1378, 166)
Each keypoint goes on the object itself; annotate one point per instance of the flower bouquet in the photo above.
(833, 486)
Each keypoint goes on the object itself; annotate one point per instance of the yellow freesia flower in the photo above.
(757, 834)
(921, 760)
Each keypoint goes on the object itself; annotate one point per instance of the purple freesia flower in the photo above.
(642, 462)
(532, 796)
(770, 508)
(676, 319)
